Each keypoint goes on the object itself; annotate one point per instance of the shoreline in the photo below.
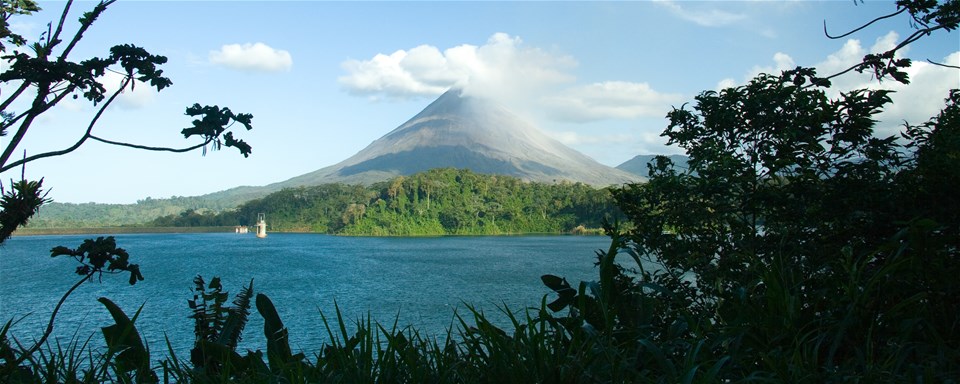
(117, 230)
(142, 230)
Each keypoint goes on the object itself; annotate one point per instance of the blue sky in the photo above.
(324, 79)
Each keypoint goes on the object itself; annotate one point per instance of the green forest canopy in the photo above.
(436, 202)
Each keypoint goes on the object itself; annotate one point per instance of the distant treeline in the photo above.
(118, 230)
(95, 215)
(436, 202)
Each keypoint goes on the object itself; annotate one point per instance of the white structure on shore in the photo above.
(261, 226)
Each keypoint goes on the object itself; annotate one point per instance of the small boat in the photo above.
(261, 226)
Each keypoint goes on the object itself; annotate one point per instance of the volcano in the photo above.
(459, 131)
(455, 131)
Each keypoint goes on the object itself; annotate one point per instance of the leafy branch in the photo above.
(927, 16)
(96, 257)
(55, 79)
(41, 79)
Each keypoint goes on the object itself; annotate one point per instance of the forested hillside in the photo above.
(639, 165)
(90, 215)
(436, 202)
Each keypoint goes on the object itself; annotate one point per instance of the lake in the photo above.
(423, 280)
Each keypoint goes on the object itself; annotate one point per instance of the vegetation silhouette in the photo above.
(41, 75)
(796, 247)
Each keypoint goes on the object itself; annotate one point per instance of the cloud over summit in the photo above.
(505, 69)
(610, 99)
(483, 70)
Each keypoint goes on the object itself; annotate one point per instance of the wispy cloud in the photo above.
(256, 57)
(575, 138)
(610, 100)
(707, 17)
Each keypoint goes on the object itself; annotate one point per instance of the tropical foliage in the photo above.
(725, 290)
(803, 249)
(39, 75)
(42, 73)
(436, 202)
(795, 247)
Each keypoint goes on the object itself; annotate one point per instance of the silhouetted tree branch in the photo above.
(942, 64)
(53, 316)
(53, 78)
(902, 10)
(926, 16)
(149, 148)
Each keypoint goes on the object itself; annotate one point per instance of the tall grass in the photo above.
(534, 348)
(625, 327)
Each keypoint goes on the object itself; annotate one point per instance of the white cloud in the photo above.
(849, 54)
(920, 100)
(257, 57)
(852, 53)
(501, 68)
(422, 71)
(611, 99)
(914, 103)
(726, 83)
(574, 139)
(139, 96)
(506, 70)
(781, 62)
(704, 17)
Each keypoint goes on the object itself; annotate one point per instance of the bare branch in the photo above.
(861, 27)
(855, 66)
(53, 316)
(144, 147)
(89, 135)
(943, 65)
(30, 114)
(17, 118)
(72, 148)
(16, 94)
(915, 36)
(102, 6)
(55, 37)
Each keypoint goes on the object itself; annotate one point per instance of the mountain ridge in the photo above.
(466, 132)
(453, 131)
(456, 131)
(638, 164)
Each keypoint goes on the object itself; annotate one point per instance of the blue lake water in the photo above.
(423, 280)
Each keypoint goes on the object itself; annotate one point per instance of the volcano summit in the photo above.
(461, 131)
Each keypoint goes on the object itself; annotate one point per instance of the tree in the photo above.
(797, 246)
(772, 160)
(41, 75)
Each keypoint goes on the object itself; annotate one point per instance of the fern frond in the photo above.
(237, 319)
